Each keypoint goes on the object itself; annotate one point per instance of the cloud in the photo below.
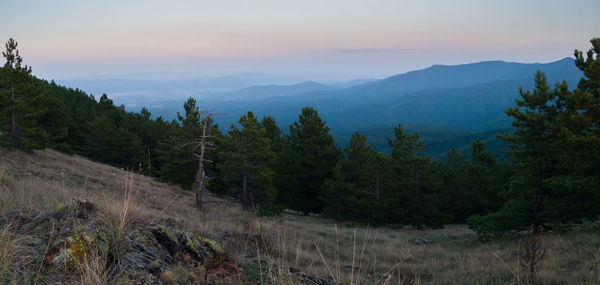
(369, 51)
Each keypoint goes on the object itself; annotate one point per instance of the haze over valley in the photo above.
(449, 105)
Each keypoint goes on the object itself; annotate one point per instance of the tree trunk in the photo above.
(200, 187)
(201, 178)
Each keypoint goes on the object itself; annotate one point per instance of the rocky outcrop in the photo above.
(75, 239)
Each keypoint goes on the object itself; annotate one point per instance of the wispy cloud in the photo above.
(369, 51)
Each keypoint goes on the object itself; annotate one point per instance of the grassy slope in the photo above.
(45, 180)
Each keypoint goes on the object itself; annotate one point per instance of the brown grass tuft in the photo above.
(16, 259)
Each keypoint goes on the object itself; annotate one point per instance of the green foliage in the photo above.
(580, 132)
(176, 148)
(23, 102)
(533, 151)
(178, 164)
(336, 195)
(311, 158)
(246, 154)
(554, 155)
(401, 188)
(105, 142)
(415, 197)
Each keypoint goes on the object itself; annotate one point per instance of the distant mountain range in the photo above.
(450, 105)
(460, 102)
(258, 92)
(469, 97)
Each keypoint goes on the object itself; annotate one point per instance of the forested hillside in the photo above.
(554, 164)
(457, 102)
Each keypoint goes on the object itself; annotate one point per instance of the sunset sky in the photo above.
(315, 39)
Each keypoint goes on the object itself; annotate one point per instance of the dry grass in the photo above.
(352, 254)
(16, 260)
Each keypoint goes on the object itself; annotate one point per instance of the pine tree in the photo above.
(311, 157)
(178, 163)
(22, 102)
(577, 177)
(276, 142)
(487, 180)
(336, 194)
(371, 175)
(533, 150)
(554, 154)
(245, 163)
(415, 199)
(108, 143)
(458, 193)
(358, 153)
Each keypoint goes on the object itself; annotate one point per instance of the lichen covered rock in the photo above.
(76, 238)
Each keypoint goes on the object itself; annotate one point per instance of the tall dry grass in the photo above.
(349, 253)
(16, 260)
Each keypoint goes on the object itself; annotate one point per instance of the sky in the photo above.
(319, 40)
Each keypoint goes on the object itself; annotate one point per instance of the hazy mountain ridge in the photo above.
(351, 83)
(456, 85)
(467, 98)
(464, 98)
(257, 92)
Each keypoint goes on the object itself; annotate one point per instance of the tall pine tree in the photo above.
(415, 197)
(311, 157)
(23, 100)
(246, 154)
(533, 150)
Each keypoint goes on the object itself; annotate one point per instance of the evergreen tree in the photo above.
(372, 176)
(113, 145)
(533, 151)
(554, 153)
(337, 192)
(276, 142)
(577, 177)
(54, 120)
(457, 194)
(22, 102)
(178, 163)
(358, 153)
(487, 180)
(414, 200)
(378, 180)
(245, 163)
(273, 132)
(311, 157)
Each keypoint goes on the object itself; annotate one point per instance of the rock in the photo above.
(82, 207)
(80, 246)
(316, 280)
(13, 218)
(167, 239)
(423, 241)
(224, 236)
(79, 237)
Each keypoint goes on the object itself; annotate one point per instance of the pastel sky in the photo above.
(329, 39)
